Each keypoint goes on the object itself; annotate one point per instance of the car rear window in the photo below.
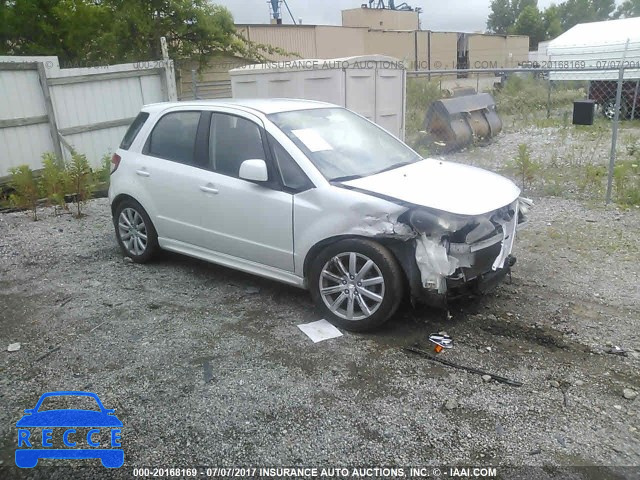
(174, 137)
(133, 130)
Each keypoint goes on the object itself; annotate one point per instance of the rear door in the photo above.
(170, 169)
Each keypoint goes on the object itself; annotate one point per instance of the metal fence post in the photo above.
(635, 100)
(616, 118)
(194, 84)
(549, 98)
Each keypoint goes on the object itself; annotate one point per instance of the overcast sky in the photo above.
(455, 15)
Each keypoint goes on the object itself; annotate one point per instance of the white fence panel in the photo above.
(48, 109)
(24, 124)
(93, 115)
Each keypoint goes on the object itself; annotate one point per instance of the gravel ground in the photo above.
(205, 365)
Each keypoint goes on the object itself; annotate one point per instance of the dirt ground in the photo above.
(205, 365)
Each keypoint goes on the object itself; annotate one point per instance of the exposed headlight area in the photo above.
(462, 247)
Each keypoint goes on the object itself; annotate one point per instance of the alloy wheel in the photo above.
(133, 231)
(609, 110)
(351, 286)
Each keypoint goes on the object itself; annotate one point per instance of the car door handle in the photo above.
(143, 173)
(209, 189)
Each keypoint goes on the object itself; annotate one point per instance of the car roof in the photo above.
(265, 106)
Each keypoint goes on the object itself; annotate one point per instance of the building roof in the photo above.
(595, 51)
(609, 32)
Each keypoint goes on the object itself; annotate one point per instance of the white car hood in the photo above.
(450, 187)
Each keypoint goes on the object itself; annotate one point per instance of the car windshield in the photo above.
(343, 145)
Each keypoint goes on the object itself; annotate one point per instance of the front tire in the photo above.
(356, 283)
(135, 232)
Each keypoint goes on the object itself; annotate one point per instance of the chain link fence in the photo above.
(564, 132)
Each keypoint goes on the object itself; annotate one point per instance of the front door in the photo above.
(249, 220)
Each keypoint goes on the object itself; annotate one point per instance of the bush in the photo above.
(25, 189)
(626, 180)
(524, 167)
(420, 94)
(523, 95)
(593, 177)
(104, 172)
(81, 180)
(54, 181)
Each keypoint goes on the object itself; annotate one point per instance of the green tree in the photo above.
(573, 12)
(531, 23)
(193, 29)
(112, 31)
(66, 28)
(628, 9)
(501, 16)
(552, 22)
(504, 14)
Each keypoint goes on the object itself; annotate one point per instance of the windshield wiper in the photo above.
(345, 178)
(354, 177)
(392, 167)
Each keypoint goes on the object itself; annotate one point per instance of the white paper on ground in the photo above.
(320, 330)
(312, 139)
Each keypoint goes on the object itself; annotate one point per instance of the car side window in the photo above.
(233, 140)
(174, 137)
(292, 175)
(133, 130)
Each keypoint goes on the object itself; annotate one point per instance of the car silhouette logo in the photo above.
(29, 451)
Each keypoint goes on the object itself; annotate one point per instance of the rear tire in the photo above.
(135, 232)
(356, 283)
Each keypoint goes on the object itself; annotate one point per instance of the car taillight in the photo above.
(115, 162)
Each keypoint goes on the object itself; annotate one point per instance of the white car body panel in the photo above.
(232, 262)
(450, 187)
(171, 185)
(270, 232)
(326, 212)
(247, 221)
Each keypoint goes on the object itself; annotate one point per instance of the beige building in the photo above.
(419, 49)
(379, 19)
(368, 31)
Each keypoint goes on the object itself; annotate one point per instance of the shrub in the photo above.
(626, 179)
(25, 189)
(631, 144)
(80, 180)
(420, 94)
(104, 172)
(592, 178)
(524, 167)
(54, 181)
(523, 95)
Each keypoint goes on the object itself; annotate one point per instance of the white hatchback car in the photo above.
(313, 195)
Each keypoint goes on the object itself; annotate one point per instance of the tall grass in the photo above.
(420, 93)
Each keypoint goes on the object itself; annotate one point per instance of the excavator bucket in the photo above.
(454, 123)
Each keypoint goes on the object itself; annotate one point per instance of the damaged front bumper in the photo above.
(458, 256)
